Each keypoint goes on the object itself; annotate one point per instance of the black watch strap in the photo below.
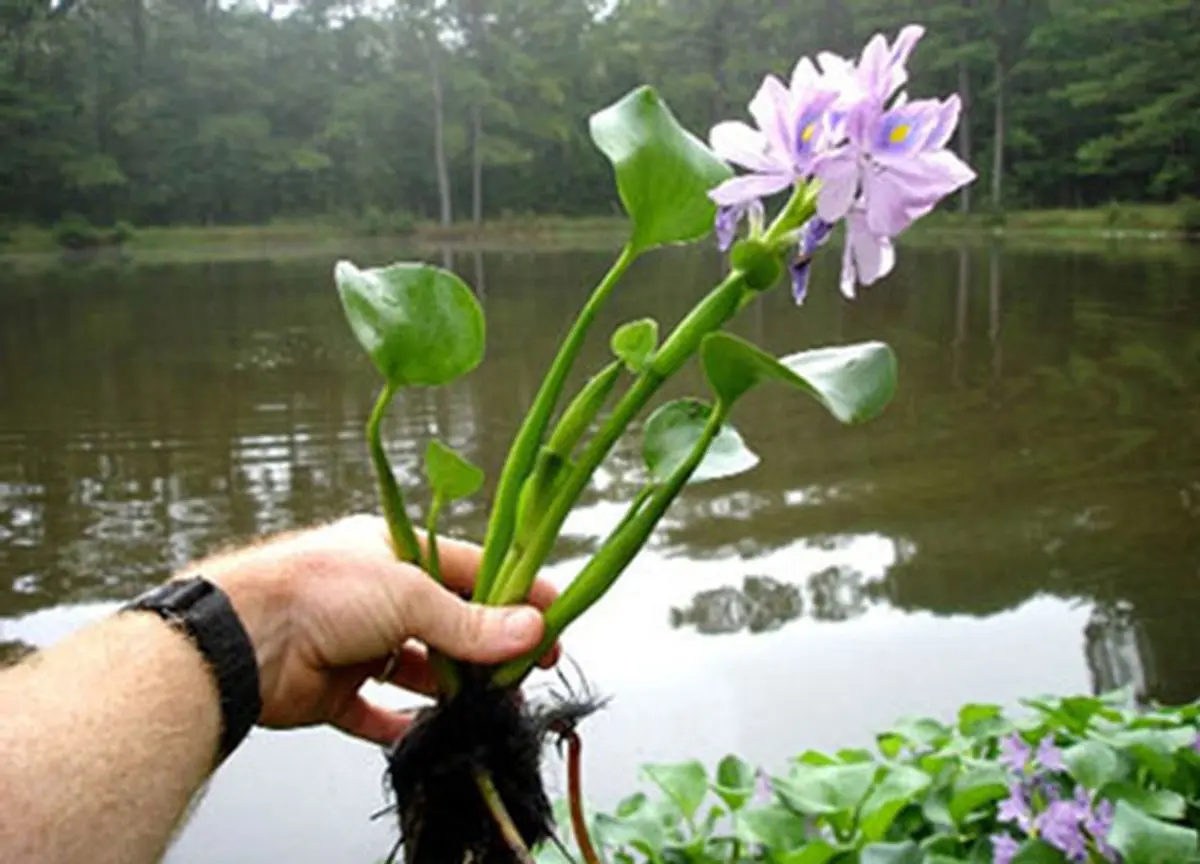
(204, 613)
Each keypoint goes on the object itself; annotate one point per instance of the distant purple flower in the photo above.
(1049, 756)
(1060, 826)
(1004, 849)
(1196, 742)
(1014, 753)
(763, 791)
(1097, 821)
(1015, 808)
(813, 235)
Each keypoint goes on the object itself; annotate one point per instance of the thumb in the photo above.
(470, 631)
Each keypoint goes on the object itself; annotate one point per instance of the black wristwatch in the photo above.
(201, 610)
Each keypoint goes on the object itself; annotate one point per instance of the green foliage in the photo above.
(76, 233)
(376, 222)
(930, 795)
(1189, 217)
(853, 382)
(674, 430)
(451, 475)
(633, 343)
(664, 173)
(419, 324)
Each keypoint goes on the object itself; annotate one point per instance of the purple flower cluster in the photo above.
(1036, 807)
(880, 159)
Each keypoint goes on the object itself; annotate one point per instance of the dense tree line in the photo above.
(167, 111)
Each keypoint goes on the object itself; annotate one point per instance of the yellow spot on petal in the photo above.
(809, 131)
(899, 134)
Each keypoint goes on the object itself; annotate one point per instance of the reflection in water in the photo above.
(762, 605)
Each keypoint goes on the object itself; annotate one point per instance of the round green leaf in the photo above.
(1142, 839)
(824, 789)
(853, 382)
(775, 826)
(664, 173)
(905, 852)
(450, 475)
(673, 431)
(419, 324)
(1093, 764)
(898, 788)
(634, 343)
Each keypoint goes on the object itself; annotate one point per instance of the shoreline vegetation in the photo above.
(1160, 224)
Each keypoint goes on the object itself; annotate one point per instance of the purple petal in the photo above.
(1014, 753)
(1004, 849)
(736, 142)
(874, 256)
(726, 226)
(811, 130)
(906, 189)
(946, 124)
(1050, 757)
(805, 76)
(1059, 825)
(889, 206)
(769, 108)
(904, 131)
(800, 270)
(902, 48)
(1015, 808)
(838, 173)
(872, 66)
(741, 190)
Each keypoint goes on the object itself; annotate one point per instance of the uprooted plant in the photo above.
(846, 143)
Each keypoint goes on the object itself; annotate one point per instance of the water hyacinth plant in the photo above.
(846, 146)
(1079, 779)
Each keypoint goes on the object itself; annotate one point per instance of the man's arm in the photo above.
(106, 736)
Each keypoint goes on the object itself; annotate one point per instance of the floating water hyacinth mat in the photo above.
(839, 144)
(1078, 779)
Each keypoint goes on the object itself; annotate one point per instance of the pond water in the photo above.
(1024, 519)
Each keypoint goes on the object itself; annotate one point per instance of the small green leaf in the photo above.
(734, 782)
(634, 343)
(775, 826)
(1160, 803)
(675, 428)
(450, 475)
(819, 789)
(1093, 764)
(419, 324)
(1142, 839)
(664, 173)
(981, 720)
(853, 382)
(685, 783)
(890, 853)
(976, 788)
(898, 788)
(816, 852)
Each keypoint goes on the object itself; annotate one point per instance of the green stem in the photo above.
(525, 446)
(404, 539)
(495, 805)
(712, 312)
(614, 556)
(433, 566)
(583, 410)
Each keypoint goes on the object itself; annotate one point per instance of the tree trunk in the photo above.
(964, 130)
(998, 143)
(476, 163)
(439, 133)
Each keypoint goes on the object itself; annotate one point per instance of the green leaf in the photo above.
(819, 789)
(1142, 839)
(549, 473)
(634, 343)
(1154, 748)
(853, 382)
(898, 788)
(734, 782)
(1160, 803)
(976, 788)
(816, 852)
(890, 853)
(673, 431)
(775, 826)
(685, 783)
(664, 173)
(419, 324)
(1037, 852)
(1093, 764)
(981, 720)
(450, 475)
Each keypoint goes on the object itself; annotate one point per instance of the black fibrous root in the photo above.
(434, 771)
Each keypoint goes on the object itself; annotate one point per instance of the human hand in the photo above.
(326, 607)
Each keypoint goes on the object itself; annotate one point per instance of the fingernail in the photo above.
(522, 625)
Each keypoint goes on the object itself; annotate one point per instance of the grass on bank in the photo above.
(73, 234)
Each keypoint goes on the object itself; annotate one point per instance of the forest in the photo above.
(198, 112)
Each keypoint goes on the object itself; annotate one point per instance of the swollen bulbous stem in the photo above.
(721, 304)
(404, 538)
(619, 549)
(521, 456)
